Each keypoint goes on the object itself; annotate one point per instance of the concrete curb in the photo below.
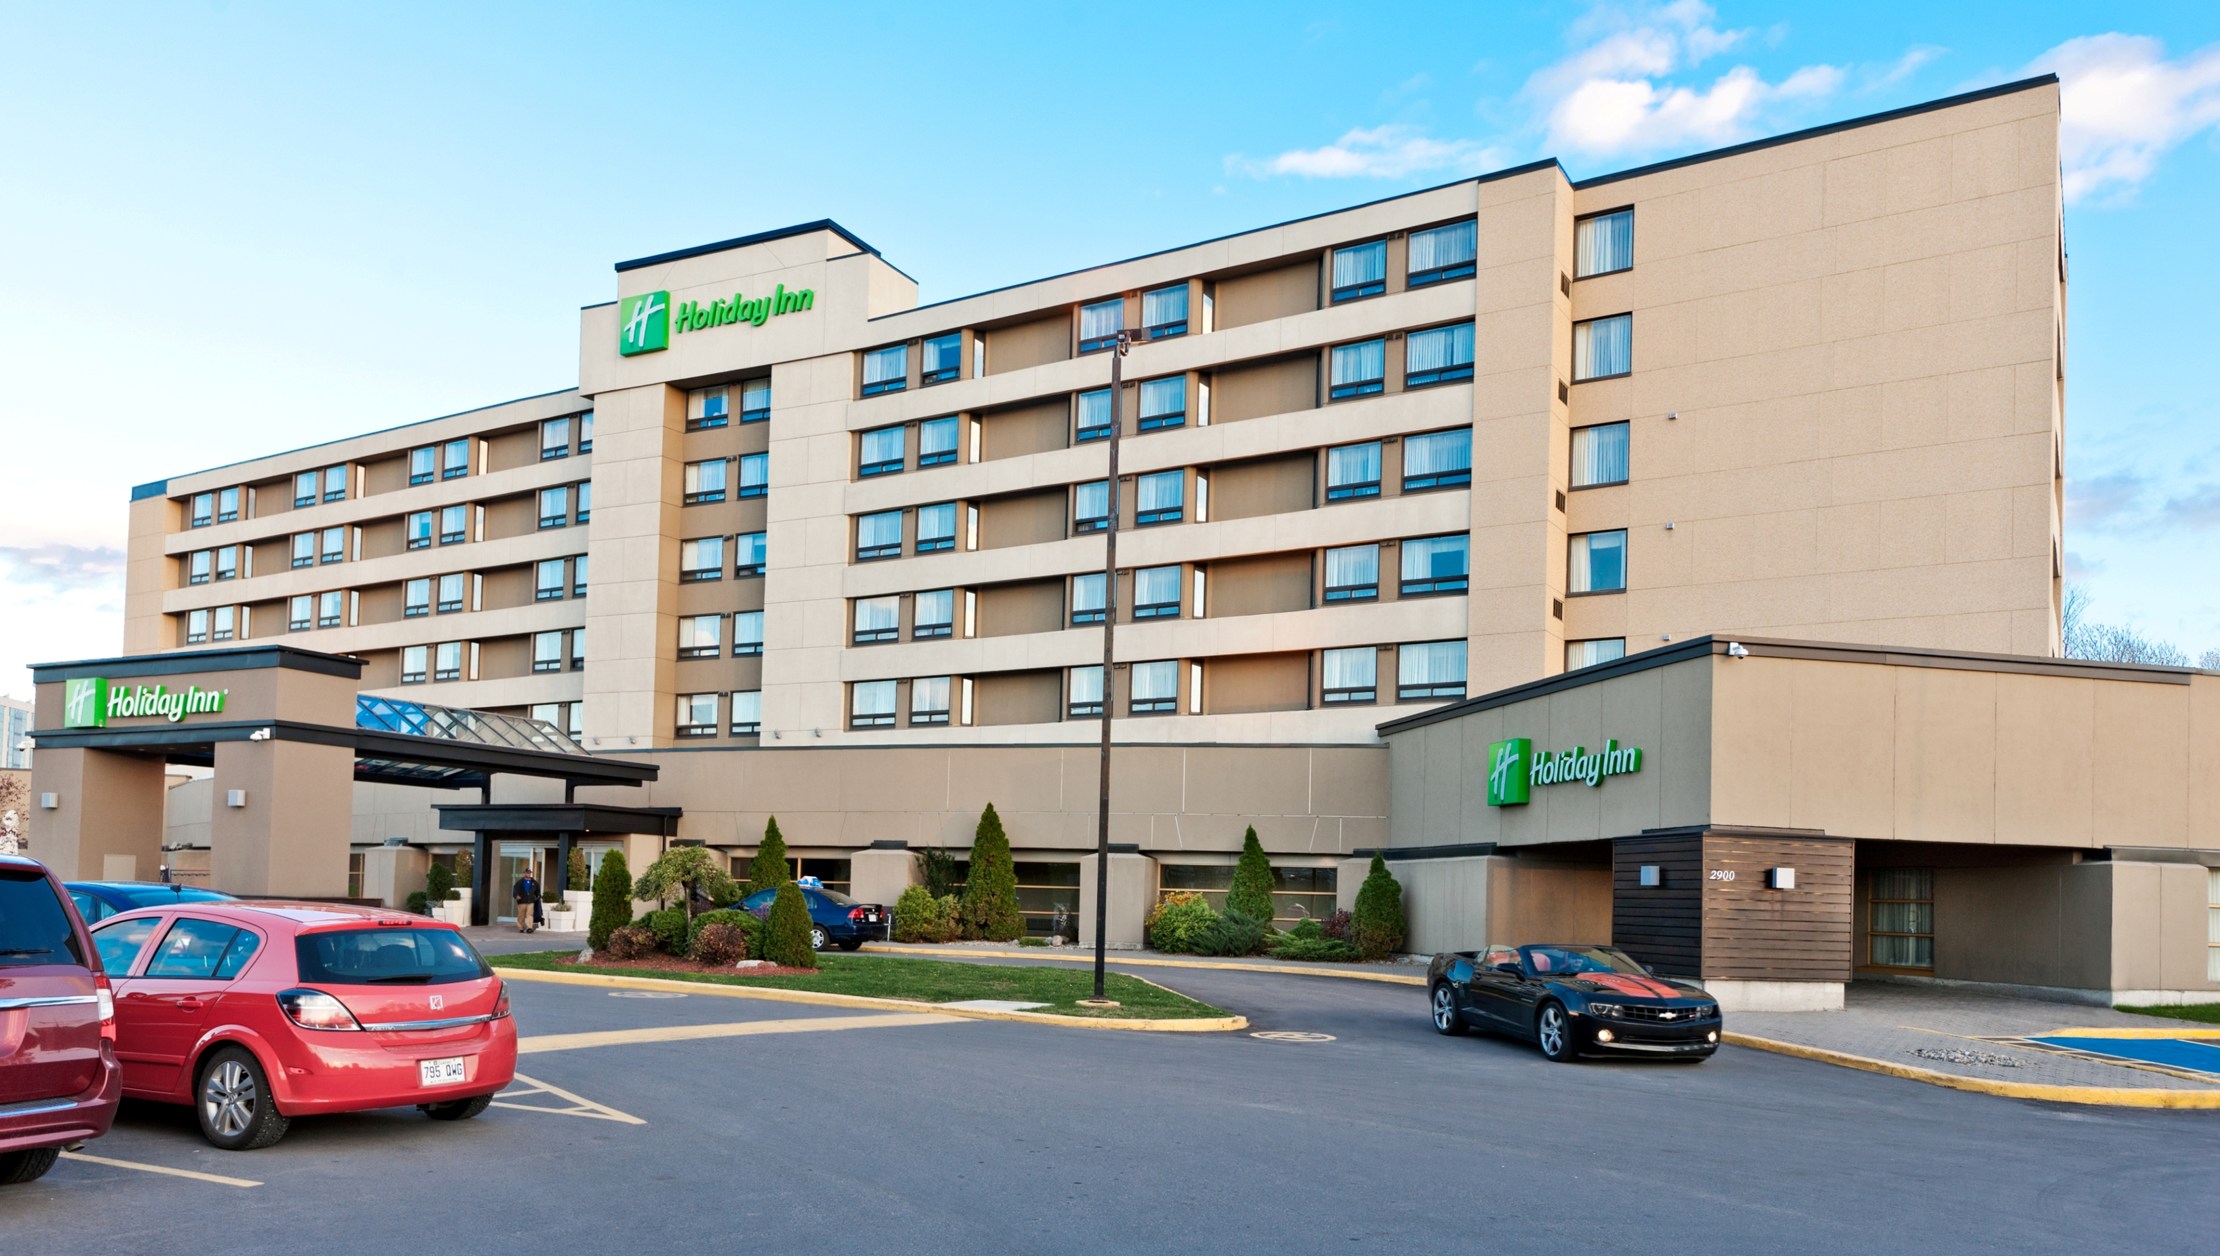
(2100, 1096)
(1195, 1025)
(1391, 978)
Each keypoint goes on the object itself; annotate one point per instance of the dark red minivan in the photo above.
(59, 1080)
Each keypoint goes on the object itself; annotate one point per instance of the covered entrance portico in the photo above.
(509, 838)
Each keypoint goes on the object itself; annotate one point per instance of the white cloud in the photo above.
(2125, 104)
(1381, 152)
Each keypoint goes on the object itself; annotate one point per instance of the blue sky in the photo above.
(233, 228)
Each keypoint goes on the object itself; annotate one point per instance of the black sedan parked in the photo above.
(1572, 999)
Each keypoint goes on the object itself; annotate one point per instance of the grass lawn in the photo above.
(928, 980)
(2204, 1013)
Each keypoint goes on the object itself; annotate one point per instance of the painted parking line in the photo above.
(577, 1105)
(2176, 1054)
(113, 1163)
(739, 1029)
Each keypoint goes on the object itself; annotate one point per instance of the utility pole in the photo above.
(1109, 640)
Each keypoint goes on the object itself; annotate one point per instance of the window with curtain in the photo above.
(936, 441)
(1153, 687)
(204, 504)
(1597, 563)
(1603, 243)
(1163, 403)
(944, 358)
(554, 513)
(1086, 691)
(423, 465)
(1435, 564)
(748, 554)
(196, 627)
(1438, 355)
(878, 619)
(1090, 506)
(1437, 460)
(454, 589)
(335, 483)
(227, 561)
(1360, 271)
(1094, 415)
(416, 597)
(1353, 471)
(701, 636)
(331, 609)
(554, 439)
(1350, 675)
(1603, 348)
(1100, 323)
(455, 454)
(697, 715)
(585, 501)
(1443, 253)
(198, 566)
(300, 613)
(419, 527)
(1599, 455)
(1579, 654)
(577, 648)
(454, 523)
(747, 634)
(548, 584)
(1086, 598)
(304, 549)
(1156, 593)
(1358, 370)
(2212, 924)
(701, 558)
(1164, 312)
(755, 475)
(936, 527)
(747, 713)
(886, 370)
(578, 575)
(305, 487)
(586, 432)
(1900, 917)
(755, 400)
(227, 505)
(333, 548)
(707, 408)
(447, 661)
(1353, 573)
(933, 614)
(547, 651)
(1159, 497)
(1430, 669)
(705, 481)
(882, 451)
(929, 700)
(414, 660)
(879, 535)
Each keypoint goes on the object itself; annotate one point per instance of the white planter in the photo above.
(562, 921)
(582, 906)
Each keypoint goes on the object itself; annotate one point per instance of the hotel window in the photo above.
(1435, 564)
(2212, 925)
(578, 576)
(1086, 692)
(1579, 654)
(1360, 271)
(747, 634)
(1094, 415)
(879, 535)
(333, 548)
(936, 441)
(554, 511)
(1353, 573)
(547, 651)
(707, 408)
(878, 619)
(748, 554)
(204, 504)
(755, 475)
(697, 715)
(227, 563)
(447, 661)
(1090, 506)
(304, 489)
(1164, 312)
(1598, 563)
(871, 704)
(1100, 323)
(1438, 355)
(454, 458)
(747, 713)
(226, 621)
(227, 505)
(705, 481)
(1163, 403)
(936, 527)
(454, 523)
(419, 529)
(304, 549)
(1437, 460)
(886, 370)
(554, 439)
(586, 432)
(1599, 455)
(453, 589)
(1603, 348)
(1603, 243)
(585, 501)
(335, 483)
(416, 597)
(1086, 598)
(1351, 675)
(300, 613)
(1358, 370)
(1353, 471)
(1900, 918)
(701, 558)
(1430, 669)
(701, 636)
(1154, 688)
(331, 609)
(423, 465)
(196, 627)
(577, 648)
(414, 659)
(198, 564)
(929, 700)
(933, 614)
(755, 400)
(1443, 253)
(1156, 592)
(882, 452)
(944, 358)
(548, 584)
(1159, 497)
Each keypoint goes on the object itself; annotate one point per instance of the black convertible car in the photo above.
(1572, 999)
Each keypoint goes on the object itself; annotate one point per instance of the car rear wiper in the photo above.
(418, 980)
(26, 950)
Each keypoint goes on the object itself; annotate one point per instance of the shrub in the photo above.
(630, 942)
(668, 927)
(768, 869)
(937, 869)
(1338, 926)
(990, 895)
(786, 934)
(1306, 930)
(1230, 934)
(1032, 941)
(439, 884)
(1251, 894)
(721, 943)
(919, 916)
(750, 926)
(574, 875)
(420, 903)
(679, 873)
(1288, 946)
(1378, 927)
(1179, 922)
(466, 869)
(612, 900)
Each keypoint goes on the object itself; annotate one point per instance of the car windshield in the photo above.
(33, 927)
(157, 895)
(388, 956)
(1559, 961)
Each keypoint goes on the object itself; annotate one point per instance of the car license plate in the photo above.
(441, 1072)
(871, 918)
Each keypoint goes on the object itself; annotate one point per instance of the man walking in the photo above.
(527, 895)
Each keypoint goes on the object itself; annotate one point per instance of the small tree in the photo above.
(786, 934)
(612, 900)
(679, 872)
(439, 883)
(1251, 894)
(990, 896)
(574, 872)
(1379, 925)
(936, 868)
(769, 869)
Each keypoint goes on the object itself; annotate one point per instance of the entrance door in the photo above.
(510, 861)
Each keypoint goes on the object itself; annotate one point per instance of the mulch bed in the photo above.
(674, 964)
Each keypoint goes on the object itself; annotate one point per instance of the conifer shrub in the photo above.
(1230, 934)
(612, 900)
(1378, 927)
(1251, 894)
(786, 933)
(420, 903)
(439, 883)
(769, 869)
(669, 929)
(990, 903)
(1308, 941)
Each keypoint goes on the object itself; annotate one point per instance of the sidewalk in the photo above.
(505, 940)
(1406, 971)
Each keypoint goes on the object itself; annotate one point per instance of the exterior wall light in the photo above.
(1737, 650)
(261, 734)
(1652, 876)
(235, 798)
(1780, 878)
(49, 802)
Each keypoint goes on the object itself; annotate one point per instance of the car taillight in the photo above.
(501, 1004)
(855, 913)
(313, 1009)
(107, 999)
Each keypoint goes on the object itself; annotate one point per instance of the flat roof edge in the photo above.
(741, 242)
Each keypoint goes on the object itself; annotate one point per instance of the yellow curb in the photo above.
(1196, 1025)
(2103, 1096)
(1392, 978)
(2193, 1034)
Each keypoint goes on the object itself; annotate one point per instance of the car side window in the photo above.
(88, 907)
(235, 956)
(119, 944)
(1498, 955)
(192, 948)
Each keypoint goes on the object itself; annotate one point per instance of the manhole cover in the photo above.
(1291, 1035)
(645, 994)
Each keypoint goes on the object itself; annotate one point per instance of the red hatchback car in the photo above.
(256, 1013)
(59, 1081)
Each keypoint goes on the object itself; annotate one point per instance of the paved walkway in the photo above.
(1406, 970)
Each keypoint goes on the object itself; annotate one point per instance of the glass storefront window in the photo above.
(1900, 918)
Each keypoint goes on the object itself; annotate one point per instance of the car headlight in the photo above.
(1709, 1011)
(1605, 1009)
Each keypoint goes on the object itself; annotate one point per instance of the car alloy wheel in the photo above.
(234, 1104)
(1446, 1020)
(818, 940)
(1554, 1033)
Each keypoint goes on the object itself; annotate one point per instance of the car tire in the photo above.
(818, 938)
(456, 1109)
(1553, 1032)
(852, 944)
(1443, 1011)
(232, 1099)
(18, 1167)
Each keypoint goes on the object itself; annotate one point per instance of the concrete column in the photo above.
(1132, 893)
(560, 877)
(109, 821)
(481, 878)
(391, 873)
(290, 834)
(880, 876)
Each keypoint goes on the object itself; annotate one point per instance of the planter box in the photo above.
(562, 921)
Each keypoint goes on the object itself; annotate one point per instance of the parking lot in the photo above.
(709, 1120)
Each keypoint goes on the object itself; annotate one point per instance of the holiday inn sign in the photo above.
(645, 322)
(1514, 769)
(90, 702)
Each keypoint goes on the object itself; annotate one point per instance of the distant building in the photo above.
(15, 730)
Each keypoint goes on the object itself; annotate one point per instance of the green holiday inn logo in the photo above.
(85, 702)
(90, 702)
(1507, 783)
(1514, 769)
(644, 323)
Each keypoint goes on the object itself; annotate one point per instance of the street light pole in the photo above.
(1109, 640)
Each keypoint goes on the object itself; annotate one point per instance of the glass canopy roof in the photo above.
(482, 728)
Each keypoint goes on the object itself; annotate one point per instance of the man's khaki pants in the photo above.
(524, 915)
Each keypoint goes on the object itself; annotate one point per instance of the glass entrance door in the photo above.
(510, 861)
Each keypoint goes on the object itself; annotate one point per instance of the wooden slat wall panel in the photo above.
(1753, 933)
(1663, 926)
